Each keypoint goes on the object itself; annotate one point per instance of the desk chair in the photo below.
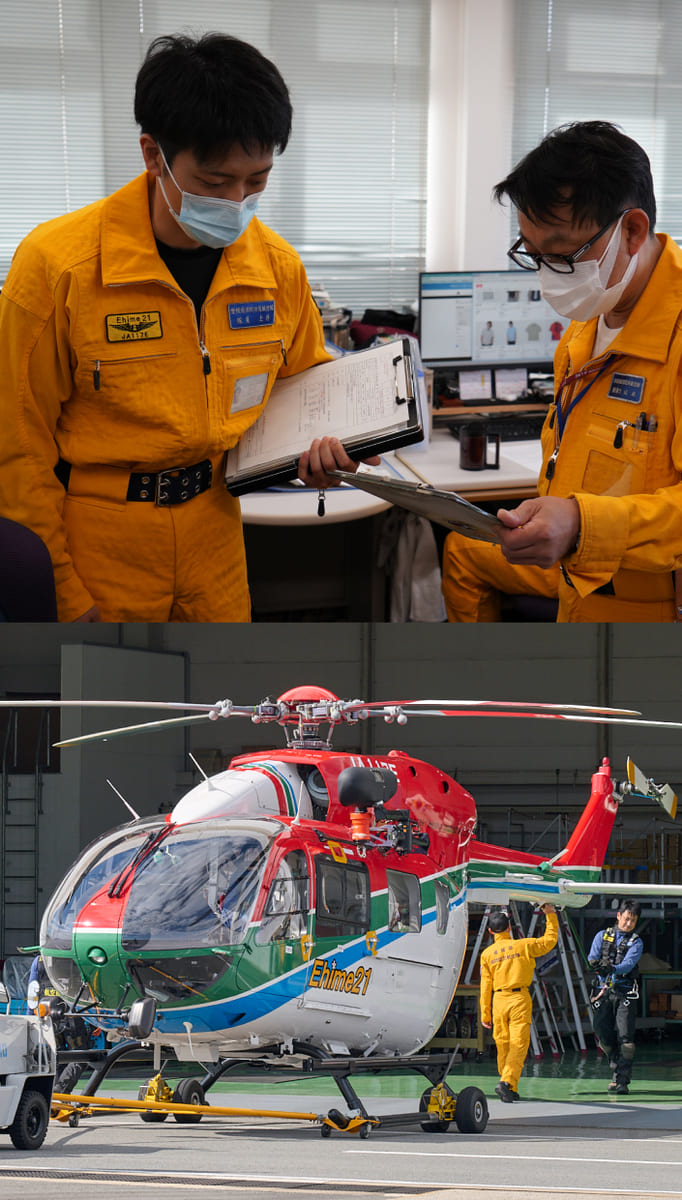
(27, 591)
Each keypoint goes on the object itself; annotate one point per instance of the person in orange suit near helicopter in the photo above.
(507, 969)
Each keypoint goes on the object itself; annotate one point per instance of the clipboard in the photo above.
(368, 399)
(445, 508)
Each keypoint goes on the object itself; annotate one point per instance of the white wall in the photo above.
(469, 137)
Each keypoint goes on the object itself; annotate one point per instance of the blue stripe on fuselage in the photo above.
(220, 1015)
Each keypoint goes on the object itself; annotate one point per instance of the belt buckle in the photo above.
(163, 479)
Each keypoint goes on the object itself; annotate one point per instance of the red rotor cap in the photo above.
(306, 694)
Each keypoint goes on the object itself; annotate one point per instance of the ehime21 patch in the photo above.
(133, 327)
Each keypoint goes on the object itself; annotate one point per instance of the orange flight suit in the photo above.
(105, 366)
(627, 481)
(507, 969)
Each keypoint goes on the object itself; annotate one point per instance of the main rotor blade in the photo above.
(105, 734)
(535, 716)
(520, 704)
(163, 704)
(347, 705)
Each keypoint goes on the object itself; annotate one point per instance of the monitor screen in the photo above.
(494, 318)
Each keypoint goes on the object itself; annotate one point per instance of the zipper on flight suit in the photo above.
(250, 345)
(116, 362)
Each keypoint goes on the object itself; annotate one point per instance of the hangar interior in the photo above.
(530, 778)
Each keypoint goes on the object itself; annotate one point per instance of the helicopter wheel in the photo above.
(471, 1113)
(434, 1126)
(188, 1091)
(151, 1117)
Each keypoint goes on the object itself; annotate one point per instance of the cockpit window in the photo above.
(286, 909)
(343, 899)
(96, 867)
(198, 888)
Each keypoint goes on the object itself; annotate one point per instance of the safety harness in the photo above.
(612, 954)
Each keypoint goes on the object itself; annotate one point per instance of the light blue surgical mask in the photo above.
(209, 219)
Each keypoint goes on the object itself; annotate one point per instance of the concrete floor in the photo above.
(568, 1138)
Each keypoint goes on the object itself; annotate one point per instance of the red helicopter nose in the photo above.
(306, 694)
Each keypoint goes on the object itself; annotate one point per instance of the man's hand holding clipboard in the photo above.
(445, 508)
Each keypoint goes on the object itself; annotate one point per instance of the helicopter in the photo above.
(307, 904)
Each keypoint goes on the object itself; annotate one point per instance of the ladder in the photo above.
(568, 950)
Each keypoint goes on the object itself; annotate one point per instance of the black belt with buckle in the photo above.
(175, 486)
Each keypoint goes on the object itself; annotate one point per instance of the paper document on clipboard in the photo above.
(369, 400)
(445, 508)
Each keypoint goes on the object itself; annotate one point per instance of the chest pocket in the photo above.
(244, 375)
(616, 460)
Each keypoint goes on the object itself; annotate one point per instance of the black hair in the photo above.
(591, 166)
(499, 921)
(207, 94)
(631, 906)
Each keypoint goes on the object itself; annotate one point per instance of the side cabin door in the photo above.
(422, 942)
(282, 943)
(340, 983)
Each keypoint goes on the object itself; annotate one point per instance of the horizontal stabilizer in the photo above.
(659, 890)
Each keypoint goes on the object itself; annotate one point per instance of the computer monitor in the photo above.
(486, 318)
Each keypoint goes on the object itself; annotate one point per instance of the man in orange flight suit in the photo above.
(507, 969)
(604, 535)
(140, 338)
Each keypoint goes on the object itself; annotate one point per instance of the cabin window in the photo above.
(343, 899)
(286, 909)
(404, 902)
(442, 905)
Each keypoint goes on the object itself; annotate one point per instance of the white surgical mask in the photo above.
(208, 219)
(583, 293)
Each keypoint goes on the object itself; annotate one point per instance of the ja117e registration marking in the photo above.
(332, 979)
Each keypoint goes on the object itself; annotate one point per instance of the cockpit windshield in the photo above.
(197, 888)
(97, 866)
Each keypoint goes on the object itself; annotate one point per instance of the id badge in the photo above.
(249, 392)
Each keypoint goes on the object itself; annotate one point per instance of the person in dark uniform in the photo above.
(614, 956)
(70, 1033)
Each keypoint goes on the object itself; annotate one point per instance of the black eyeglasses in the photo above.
(562, 264)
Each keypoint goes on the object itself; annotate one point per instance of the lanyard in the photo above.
(568, 381)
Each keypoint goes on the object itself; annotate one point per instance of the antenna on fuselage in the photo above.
(200, 769)
(128, 806)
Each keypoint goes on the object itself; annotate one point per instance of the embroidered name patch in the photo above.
(133, 327)
(250, 313)
(627, 387)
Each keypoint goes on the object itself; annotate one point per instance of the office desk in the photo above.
(305, 567)
(439, 465)
(299, 506)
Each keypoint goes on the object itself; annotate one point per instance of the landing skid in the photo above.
(439, 1105)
